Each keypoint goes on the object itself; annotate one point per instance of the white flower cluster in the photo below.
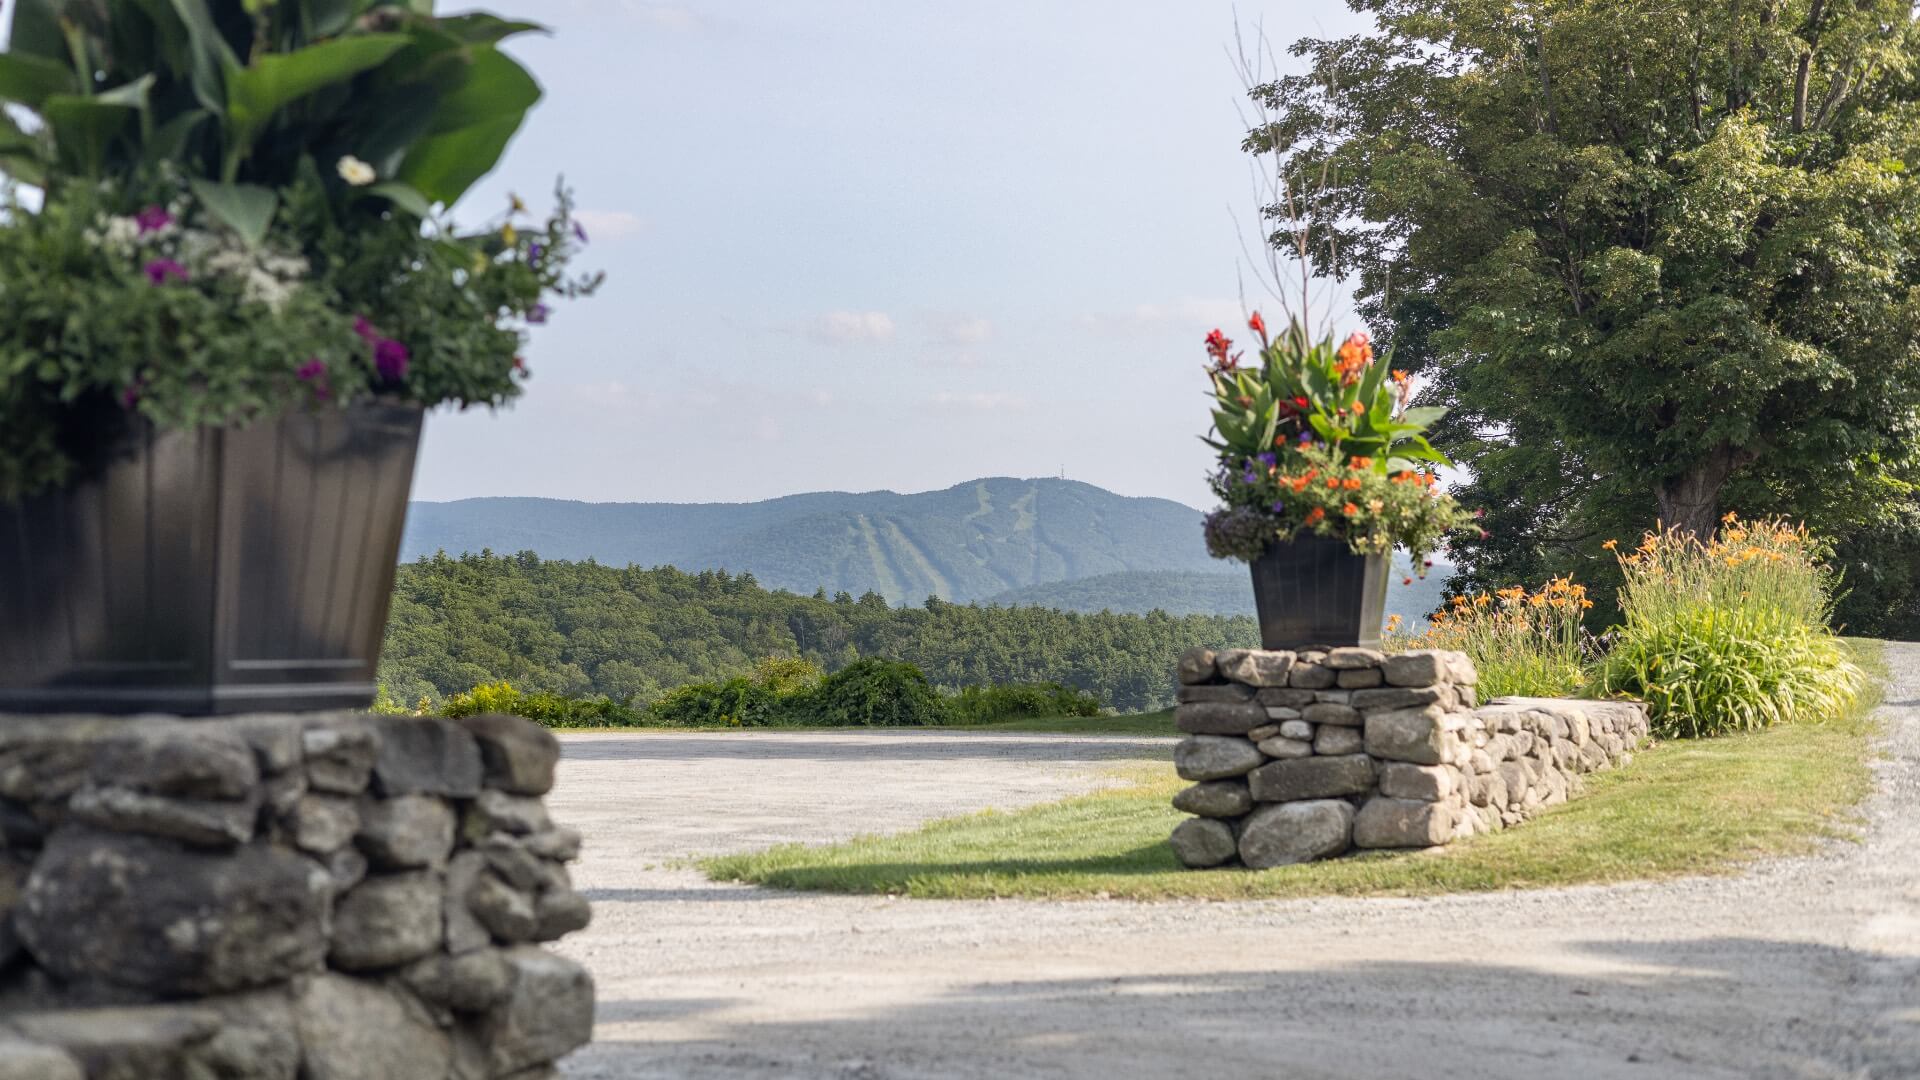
(265, 276)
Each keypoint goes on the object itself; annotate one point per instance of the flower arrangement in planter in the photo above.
(235, 292)
(1324, 468)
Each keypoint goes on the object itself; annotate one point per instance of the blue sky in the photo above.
(862, 245)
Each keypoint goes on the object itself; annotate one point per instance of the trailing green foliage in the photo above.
(873, 693)
(550, 710)
(1730, 635)
(631, 633)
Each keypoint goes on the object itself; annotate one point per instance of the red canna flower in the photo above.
(1258, 325)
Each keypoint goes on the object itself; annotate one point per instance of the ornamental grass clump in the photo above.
(1529, 644)
(1321, 439)
(1730, 634)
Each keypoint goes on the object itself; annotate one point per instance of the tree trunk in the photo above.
(1690, 502)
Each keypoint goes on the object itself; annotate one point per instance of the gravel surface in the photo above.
(1805, 967)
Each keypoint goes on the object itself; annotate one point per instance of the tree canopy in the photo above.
(1658, 256)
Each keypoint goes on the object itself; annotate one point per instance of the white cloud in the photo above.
(851, 328)
(957, 328)
(980, 401)
(609, 224)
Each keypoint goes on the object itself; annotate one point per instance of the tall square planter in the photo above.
(210, 571)
(1314, 591)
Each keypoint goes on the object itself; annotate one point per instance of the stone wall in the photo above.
(1301, 756)
(322, 897)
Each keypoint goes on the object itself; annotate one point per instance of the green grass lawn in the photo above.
(1683, 807)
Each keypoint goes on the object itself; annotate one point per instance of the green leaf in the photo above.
(480, 28)
(404, 197)
(1423, 417)
(247, 209)
(169, 142)
(36, 32)
(30, 80)
(472, 128)
(212, 57)
(274, 81)
(84, 127)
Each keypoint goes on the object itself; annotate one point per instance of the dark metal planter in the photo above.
(209, 571)
(1313, 590)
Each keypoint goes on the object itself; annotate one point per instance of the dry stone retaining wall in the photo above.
(1302, 756)
(322, 897)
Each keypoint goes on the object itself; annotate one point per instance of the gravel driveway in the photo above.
(1801, 968)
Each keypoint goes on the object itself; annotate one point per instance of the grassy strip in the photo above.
(1684, 807)
(1153, 723)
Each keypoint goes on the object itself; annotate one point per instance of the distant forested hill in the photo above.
(587, 628)
(1217, 592)
(966, 543)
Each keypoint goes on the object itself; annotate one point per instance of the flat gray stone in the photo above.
(1414, 735)
(471, 982)
(388, 920)
(150, 914)
(1284, 697)
(1256, 667)
(424, 755)
(1202, 842)
(464, 931)
(516, 755)
(1214, 757)
(497, 811)
(1215, 798)
(548, 1015)
(1312, 778)
(1306, 676)
(131, 1043)
(1214, 693)
(1281, 747)
(357, 1029)
(1296, 832)
(1398, 823)
(1296, 729)
(508, 913)
(1425, 783)
(1358, 678)
(1331, 712)
(406, 831)
(1396, 697)
(561, 844)
(1331, 740)
(1352, 657)
(559, 912)
(204, 822)
(1422, 667)
(1216, 718)
(195, 761)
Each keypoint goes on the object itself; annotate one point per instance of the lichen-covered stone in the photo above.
(1214, 693)
(323, 824)
(388, 920)
(1352, 657)
(406, 831)
(1198, 666)
(1427, 783)
(1284, 748)
(1414, 735)
(1331, 712)
(24, 1060)
(204, 822)
(339, 755)
(356, 1029)
(1296, 832)
(1307, 676)
(1357, 678)
(1286, 697)
(548, 1015)
(1387, 698)
(424, 755)
(150, 914)
(1422, 667)
(133, 1043)
(470, 982)
(188, 761)
(1329, 739)
(497, 811)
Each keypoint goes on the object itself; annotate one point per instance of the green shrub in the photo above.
(985, 704)
(1525, 644)
(734, 703)
(1730, 634)
(550, 710)
(873, 693)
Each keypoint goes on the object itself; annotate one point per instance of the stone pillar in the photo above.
(1302, 756)
(317, 897)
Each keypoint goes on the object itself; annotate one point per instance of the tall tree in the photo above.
(1661, 257)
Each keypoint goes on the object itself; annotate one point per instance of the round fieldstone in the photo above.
(1396, 823)
(1202, 842)
(1296, 832)
(1214, 757)
(388, 920)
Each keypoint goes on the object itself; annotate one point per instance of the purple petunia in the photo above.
(537, 314)
(365, 329)
(535, 250)
(1269, 459)
(580, 232)
(152, 219)
(1306, 437)
(315, 371)
(1279, 507)
(390, 359)
(161, 271)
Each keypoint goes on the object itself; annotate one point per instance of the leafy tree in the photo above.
(1659, 256)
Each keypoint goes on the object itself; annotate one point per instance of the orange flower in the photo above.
(1314, 515)
(1356, 351)
(1349, 509)
(1257, 324)
(1611, 545)
(1400, 377)
(1359, 407)
(1360, 463)
(1333, 483)
(1352, 483)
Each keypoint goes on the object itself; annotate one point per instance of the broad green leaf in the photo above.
(36, 32)
(212, 57)
(472, 127)
(30, 80)
(169, 142)
(325, 18)
(403, 196)
(1423, 417)
(274, 81)
(247, 209)
(480, 28)
(84, 127)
